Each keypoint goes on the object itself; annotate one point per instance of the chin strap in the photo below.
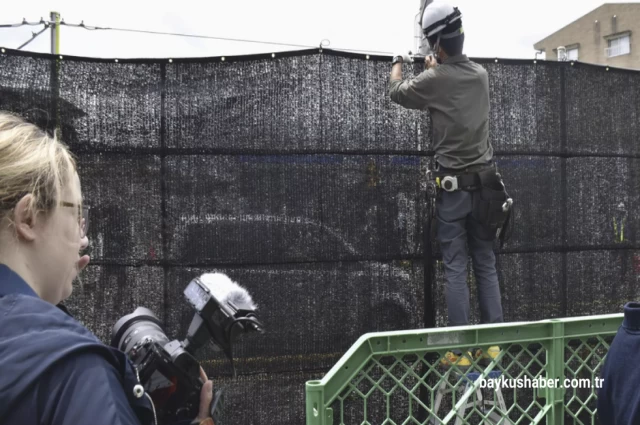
(435, 50)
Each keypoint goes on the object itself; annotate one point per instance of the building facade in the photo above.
(604, 36)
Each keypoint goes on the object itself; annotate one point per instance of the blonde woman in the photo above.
(52, 369)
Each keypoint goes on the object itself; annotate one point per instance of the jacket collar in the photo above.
(11, 283)
(455, 59)
(632, 316)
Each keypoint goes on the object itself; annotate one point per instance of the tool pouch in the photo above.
(492, 205)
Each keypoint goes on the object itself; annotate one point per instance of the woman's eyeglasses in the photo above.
(83, 216)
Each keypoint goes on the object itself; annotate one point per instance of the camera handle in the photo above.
(217, 407)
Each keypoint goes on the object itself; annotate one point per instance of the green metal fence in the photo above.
(398, 378)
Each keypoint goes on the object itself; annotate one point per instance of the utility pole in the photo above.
(422, 47)
(55, 33)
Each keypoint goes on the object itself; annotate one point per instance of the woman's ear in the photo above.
(24, 218)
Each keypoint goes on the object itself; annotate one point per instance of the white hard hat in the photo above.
(437, 16)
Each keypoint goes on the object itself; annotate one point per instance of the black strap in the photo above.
(503, 232)
(467, 181)
(507, 228)
(64, 309)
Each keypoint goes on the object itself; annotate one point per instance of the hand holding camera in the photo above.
(167, 369)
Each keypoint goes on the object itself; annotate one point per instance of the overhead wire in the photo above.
(176, 34)
(24, 22)
(33, 37)
(81, 25)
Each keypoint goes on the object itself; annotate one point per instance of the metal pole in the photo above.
(423, 47)
(55, 33)
(55, 71)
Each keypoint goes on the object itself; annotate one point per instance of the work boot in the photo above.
(486, 358)
(455, 358)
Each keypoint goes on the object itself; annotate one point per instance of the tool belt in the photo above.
(451, 180)
(449, 183)
(492, 205)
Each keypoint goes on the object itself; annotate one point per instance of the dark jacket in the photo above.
(55, 371)
(618, 397)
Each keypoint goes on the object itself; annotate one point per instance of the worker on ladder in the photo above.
(472, 206)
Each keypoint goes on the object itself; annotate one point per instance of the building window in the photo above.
(619, 46)
(572, 54)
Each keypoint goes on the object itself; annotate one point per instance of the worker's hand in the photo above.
(405, 57)
(430, 62)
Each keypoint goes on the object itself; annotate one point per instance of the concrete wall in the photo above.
(590, 35)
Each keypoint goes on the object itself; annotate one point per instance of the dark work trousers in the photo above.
(456, 230)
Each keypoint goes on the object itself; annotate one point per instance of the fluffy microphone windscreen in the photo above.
(225, 289)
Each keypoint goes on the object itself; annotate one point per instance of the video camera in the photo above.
(168, 369)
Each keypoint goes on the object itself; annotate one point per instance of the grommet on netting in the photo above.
(116, 60)
(222, 59)
(367, 57)
(496, 60)
(60, 57)
(170, 60)
(273, 55)
(572, 63)
(535, 62)
(607, 68)
(323, 44)
(3, 50)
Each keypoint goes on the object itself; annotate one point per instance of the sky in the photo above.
(493, 28)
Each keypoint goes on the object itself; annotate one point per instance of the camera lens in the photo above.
(136, 327)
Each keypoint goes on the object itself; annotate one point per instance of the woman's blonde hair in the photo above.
(31, 162)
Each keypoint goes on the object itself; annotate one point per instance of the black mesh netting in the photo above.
(298, 177)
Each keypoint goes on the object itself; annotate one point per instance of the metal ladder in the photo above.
(470, 377)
